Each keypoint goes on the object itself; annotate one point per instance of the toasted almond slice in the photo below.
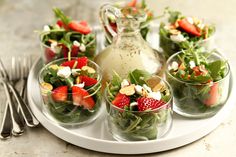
(159, 87)
(46, 87)
(128, 90)
(175, 31)
(88, 69)
(153, 81)
(78, 81)
(54, 67)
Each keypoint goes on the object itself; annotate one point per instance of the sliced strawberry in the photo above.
(132, 3)
(84, 23)
(70, 63)
(60, 94)
(213, 95)
(188, 27)
(121, 100)
(145, 103)
(82, 61)
(88, 81)
(78, 95)
(74, 51)
(197, 71)
(49, 54)
(61, 24)
(76, 26)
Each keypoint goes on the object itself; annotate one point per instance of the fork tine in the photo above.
(3, 70)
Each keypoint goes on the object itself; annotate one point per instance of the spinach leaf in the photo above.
(215, 68)
(139, 76)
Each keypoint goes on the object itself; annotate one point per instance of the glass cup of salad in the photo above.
(182, 32)
(200, 82)
(139, 107)
(67, 38)
(71, 91)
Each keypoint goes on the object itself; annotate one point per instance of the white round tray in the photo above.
(96, 137)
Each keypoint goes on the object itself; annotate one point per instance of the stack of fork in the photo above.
(16, 113)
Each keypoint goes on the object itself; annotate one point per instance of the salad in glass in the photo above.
(135, 7)
(182, 32)
(67, 38)
(71, 90)
(139, 108)
(200, 82)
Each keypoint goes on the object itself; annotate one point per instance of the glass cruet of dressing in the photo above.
(128, 51)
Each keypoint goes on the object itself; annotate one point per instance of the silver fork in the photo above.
(17, 125)
(18, 69)
(25, 66)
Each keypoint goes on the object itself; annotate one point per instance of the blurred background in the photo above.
(19, 19)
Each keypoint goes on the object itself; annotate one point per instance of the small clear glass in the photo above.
(68, 113)
(146, 125)
(196, 100)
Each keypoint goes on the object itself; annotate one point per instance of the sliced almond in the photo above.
(78, 81)
(46, 87)
(88, 69)
(144, 93)
(159, 87)
(128, 90)
(54, 67)
(175, 31)
(153, 81)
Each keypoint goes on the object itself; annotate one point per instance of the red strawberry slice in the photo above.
(132, 3)
(49, 54)
(145, 103)
(78, 95)
(84, 23)
(82, 61)
(70, 63)
(61, 24)
(188, 27)
(213, 95)
(76, 26)
(88, 81)
(121, 100)
(60, 94)
(74, 51)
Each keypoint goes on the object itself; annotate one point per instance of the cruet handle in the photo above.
(104, 13)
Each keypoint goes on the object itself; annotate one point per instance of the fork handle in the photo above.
(6, 127)
(25, 111)
(23, 94)
(17, 124)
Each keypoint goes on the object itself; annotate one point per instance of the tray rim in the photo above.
(100, 145)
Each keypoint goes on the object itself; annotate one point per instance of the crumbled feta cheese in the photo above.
(192, 64)
(75, 72)
(133, 104)
(56, 49)
(190, 20)
(147, 88)
(138, 89)
(177, 38)
(64, 72)
(174, 66)
(155, 95)
(80, 85)
(76, 43)
(124, 83)
(46, 28)
(82, 48)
